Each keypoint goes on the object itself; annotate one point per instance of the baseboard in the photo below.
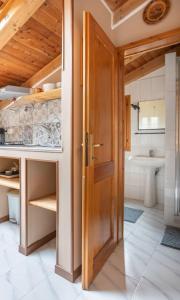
(23, 250)
(28, 250)
(68, 276)
(77, 272)
(4, 219)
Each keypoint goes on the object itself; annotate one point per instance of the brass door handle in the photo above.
(98, 145)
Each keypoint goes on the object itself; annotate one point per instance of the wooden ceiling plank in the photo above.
(152, 43)
(10, 76)
(132, 58)
(53, 24)
(19, 13)
(1, 3)
(18, 69)
(145, 69)
(30, 37)
(51, 10)
(57, 5)
(17, 62)
(41, 33)
(20, 48)
(29, 59)
(6, 70)
(45, 72)
(40, 47)
(45, 32)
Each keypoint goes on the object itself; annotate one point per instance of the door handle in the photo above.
(89, 149)
(98, 145)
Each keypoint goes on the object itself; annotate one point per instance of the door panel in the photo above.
(102, 214)
(100, 149)
(102, 126)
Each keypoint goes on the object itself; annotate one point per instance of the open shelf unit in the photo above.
(6, 164)
(41, 199)
(48, 202)
(8, 184)
(42, 184)
(34, 98)
(13, 183)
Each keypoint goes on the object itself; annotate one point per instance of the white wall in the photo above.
(150, 87)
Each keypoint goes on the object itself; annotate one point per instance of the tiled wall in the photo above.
(170, 97)
(37, 124)
(150, 87)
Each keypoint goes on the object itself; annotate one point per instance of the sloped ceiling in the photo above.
(2, 2)
(140, 65)
(134, 28)
(35, 44)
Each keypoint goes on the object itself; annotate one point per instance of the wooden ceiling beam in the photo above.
(44, 73)
(13, 15)
(127, 10)
(130, 59)
(152, 43)
(145, 69)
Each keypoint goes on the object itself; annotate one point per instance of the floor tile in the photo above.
(139, 268)
(26, 275)
(7, 290)
(54, 288)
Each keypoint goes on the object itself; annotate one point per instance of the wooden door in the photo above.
(100, 149)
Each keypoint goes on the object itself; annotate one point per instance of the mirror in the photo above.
(151, 115)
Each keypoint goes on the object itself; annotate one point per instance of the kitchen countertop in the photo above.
(31, 148)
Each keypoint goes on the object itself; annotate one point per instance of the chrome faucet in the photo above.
(151, 153)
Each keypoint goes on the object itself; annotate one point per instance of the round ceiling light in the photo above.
(155, 11)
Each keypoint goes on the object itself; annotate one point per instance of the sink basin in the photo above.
(147, 161)
(150, 165)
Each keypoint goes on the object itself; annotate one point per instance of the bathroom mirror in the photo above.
(151, 115)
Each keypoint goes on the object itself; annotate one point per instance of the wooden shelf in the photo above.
(34, 98)
(48, 202)
(13, 183)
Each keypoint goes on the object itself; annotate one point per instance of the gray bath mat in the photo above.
(171, 237)
(132, 214)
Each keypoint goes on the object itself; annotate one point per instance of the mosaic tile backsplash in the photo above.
(37, 124)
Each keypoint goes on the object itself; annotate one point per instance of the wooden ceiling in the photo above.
(141, 64)
(2, 2)
(34, 46)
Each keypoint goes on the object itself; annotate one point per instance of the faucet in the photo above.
(151, 153)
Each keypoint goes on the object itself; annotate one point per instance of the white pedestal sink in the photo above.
(151, 165)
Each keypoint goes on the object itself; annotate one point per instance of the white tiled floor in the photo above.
(139, 269)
